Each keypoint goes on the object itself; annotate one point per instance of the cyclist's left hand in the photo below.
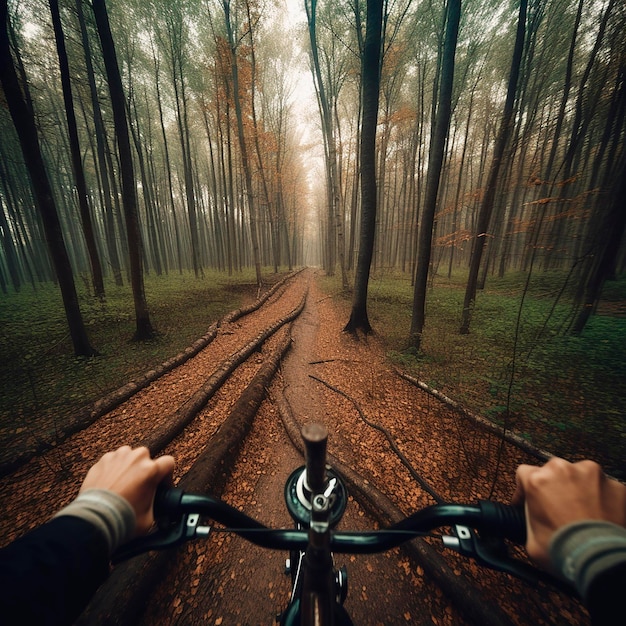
(132, 474)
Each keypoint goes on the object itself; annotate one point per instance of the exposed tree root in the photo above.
(464, 596)
(381, 429)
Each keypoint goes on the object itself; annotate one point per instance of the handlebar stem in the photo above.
(318, 584)
(315, 437)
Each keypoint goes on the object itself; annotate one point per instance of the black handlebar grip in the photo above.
(167, 501)
(315, 437)
(504, 520)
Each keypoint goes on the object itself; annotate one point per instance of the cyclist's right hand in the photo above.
(560, 493)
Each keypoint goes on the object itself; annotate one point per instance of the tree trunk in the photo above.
(272, 212)
(77, 164)
(609, 238)
(435, 162)
(23, 118)
(488, 201)
(9, 251)
(243, 146)
(175, 23)
(370, 80)
(153, 222)
(583, 112)
(144, 329)
(335, 226)
(105, 186)
(168, 166)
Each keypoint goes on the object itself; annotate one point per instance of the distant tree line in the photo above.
(144, 136)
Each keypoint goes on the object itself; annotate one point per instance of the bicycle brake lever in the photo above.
(177, 533)
(330, 487)
(493, 553)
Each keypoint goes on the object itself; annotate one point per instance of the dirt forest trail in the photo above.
(326, 376)
(238, 583)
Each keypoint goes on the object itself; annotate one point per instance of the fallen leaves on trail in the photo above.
(225, 580)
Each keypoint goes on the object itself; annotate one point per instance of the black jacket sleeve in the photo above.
(48, 576)
(605, 598)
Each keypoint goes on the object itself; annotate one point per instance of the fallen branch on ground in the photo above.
(121, 600)
(238, 313)
(157, 440)
(507, 435)
(466, 598)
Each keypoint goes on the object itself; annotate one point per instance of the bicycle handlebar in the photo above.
(178, 514)
(492, 518)
(316, 499)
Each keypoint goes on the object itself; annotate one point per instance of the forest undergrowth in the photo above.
(564, 393)
(42, 379)
(567, 394)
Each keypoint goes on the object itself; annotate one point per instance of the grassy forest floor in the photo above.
(40, 377)
(567, 394)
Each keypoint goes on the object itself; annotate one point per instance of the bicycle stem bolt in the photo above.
(320, 517)
(320, 503)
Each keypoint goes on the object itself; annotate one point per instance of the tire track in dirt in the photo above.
(43, 485)
(227, 581)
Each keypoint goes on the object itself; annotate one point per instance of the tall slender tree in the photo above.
(143, 325)
(175, 40)
(167, 164)
(23, 118)
(488, 201)
(370, 76)
(77, 164)
(610, 235)
(435, 164)
(335, 235)
(243, 147)
(100, 157)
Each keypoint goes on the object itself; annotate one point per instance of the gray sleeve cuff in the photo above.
(583, 550)
(108, 511)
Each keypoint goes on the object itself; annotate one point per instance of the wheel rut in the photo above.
(326, 376)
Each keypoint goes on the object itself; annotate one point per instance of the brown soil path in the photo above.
(225, 580)
(237, 583)
(233, 582)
